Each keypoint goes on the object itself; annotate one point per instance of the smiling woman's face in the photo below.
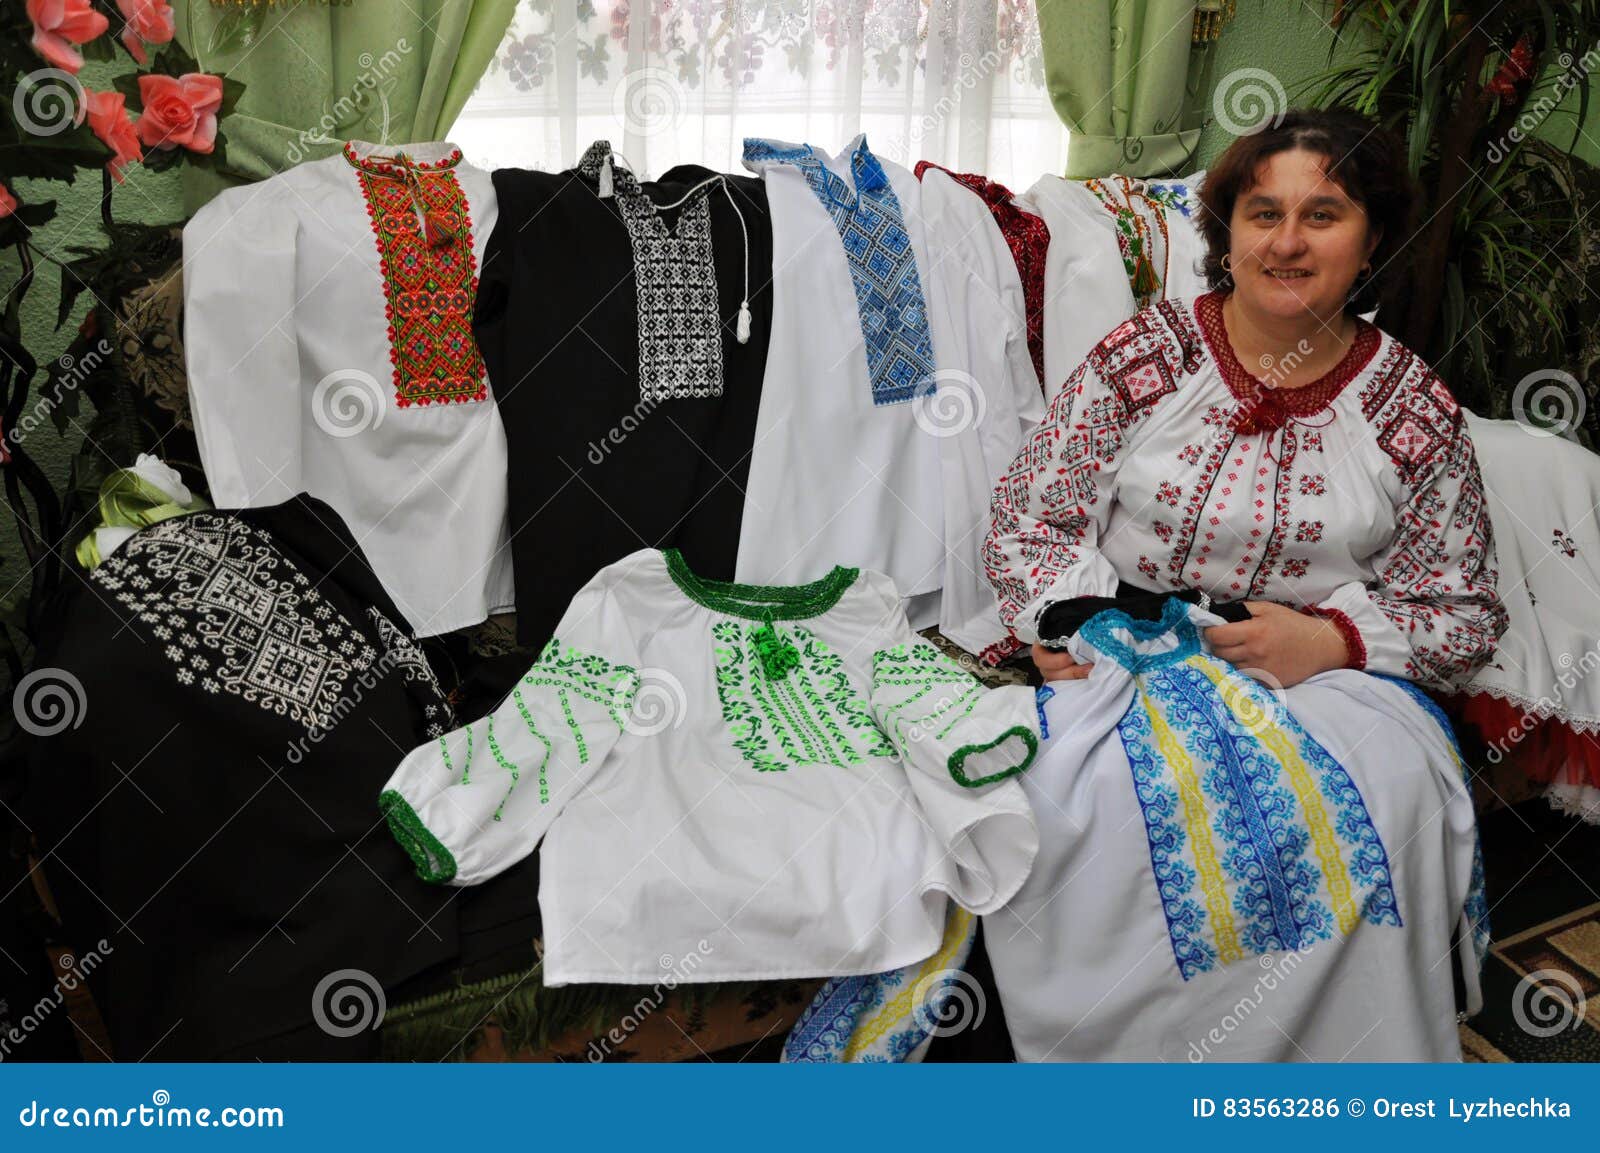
(1297, 240)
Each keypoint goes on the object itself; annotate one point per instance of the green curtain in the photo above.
(319, 73)
(1122, 77)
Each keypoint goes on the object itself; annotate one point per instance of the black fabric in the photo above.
(229, 850)
(1064, 618)
(595, 475)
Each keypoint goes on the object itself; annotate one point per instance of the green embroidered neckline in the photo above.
(760, 602)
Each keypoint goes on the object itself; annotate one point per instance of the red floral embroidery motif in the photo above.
(429, 289)
(1313, 484)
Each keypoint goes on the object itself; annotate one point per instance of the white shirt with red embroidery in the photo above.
(329, 350)
(1163, 462)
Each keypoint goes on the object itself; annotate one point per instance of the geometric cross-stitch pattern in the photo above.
(883, 267)
(675, 280)
(1260, 840)
(235, 615)
(428, 290)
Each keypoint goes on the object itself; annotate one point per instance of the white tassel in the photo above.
(605, 179)
(743, 330)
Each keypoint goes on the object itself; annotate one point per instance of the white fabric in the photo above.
(1137, 473)
(671, 82)
(975, 280)
(292, 389)
(1086, 291)
(1542, 494)
(1083, 958)
(663, 838)
(901, 489)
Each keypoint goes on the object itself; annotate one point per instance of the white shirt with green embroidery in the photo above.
(733, 782)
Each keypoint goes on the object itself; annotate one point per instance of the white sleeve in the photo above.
(981, 414)
(962, 744)
(241, 353)
(479, 799)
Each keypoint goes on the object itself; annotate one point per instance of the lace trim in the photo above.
(1540, 707)
(760, 602)
(1274, 405)
(675, 277)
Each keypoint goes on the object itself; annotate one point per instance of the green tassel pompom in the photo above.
(775, 651)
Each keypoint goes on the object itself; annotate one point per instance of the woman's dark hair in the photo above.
(1363, 158)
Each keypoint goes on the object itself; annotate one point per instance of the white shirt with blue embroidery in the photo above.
(897, 380)
(772, 781)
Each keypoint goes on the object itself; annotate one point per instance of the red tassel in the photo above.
(435, 231)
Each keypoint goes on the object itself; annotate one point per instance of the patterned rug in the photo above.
(1541, 982)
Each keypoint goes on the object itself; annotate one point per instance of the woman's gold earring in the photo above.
(1227, 262)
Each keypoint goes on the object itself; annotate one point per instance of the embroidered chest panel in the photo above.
(883, 265)
(798, 712)
(423, 230)
(1259, 839)
(233, 615)
(675, 277)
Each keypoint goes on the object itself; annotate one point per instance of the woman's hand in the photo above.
(1288, 646)
(1058, 665)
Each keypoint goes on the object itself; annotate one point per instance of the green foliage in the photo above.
(1463, 83)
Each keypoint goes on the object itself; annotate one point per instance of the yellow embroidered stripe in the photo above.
(1197, 823)
(1281, 745)
(899, 1010)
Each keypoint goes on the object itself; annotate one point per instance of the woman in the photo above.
(1260, 443)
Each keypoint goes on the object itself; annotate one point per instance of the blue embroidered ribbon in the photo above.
(883, 266)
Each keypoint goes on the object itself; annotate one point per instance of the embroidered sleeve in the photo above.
(242, 357)
(961, 745)
(1052, 504)
(474, 802)
(1432, 613)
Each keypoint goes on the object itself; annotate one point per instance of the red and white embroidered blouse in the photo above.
(1166, 463)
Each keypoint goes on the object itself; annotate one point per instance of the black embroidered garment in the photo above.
(628, 423)
(245, 688)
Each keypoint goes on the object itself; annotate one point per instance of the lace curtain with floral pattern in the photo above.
(959, 82)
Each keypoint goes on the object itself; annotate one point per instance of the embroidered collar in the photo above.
(1267, 407)
(675, 280)
(760, 602)
(891, 308)
(388, 159)
(1101, 631)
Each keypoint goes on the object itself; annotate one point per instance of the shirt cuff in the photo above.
(1354, 645)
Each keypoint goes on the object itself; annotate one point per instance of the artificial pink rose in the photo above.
(108, 119)
(59, 24)
(148, 22)
(180, 110)
(8, 203)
